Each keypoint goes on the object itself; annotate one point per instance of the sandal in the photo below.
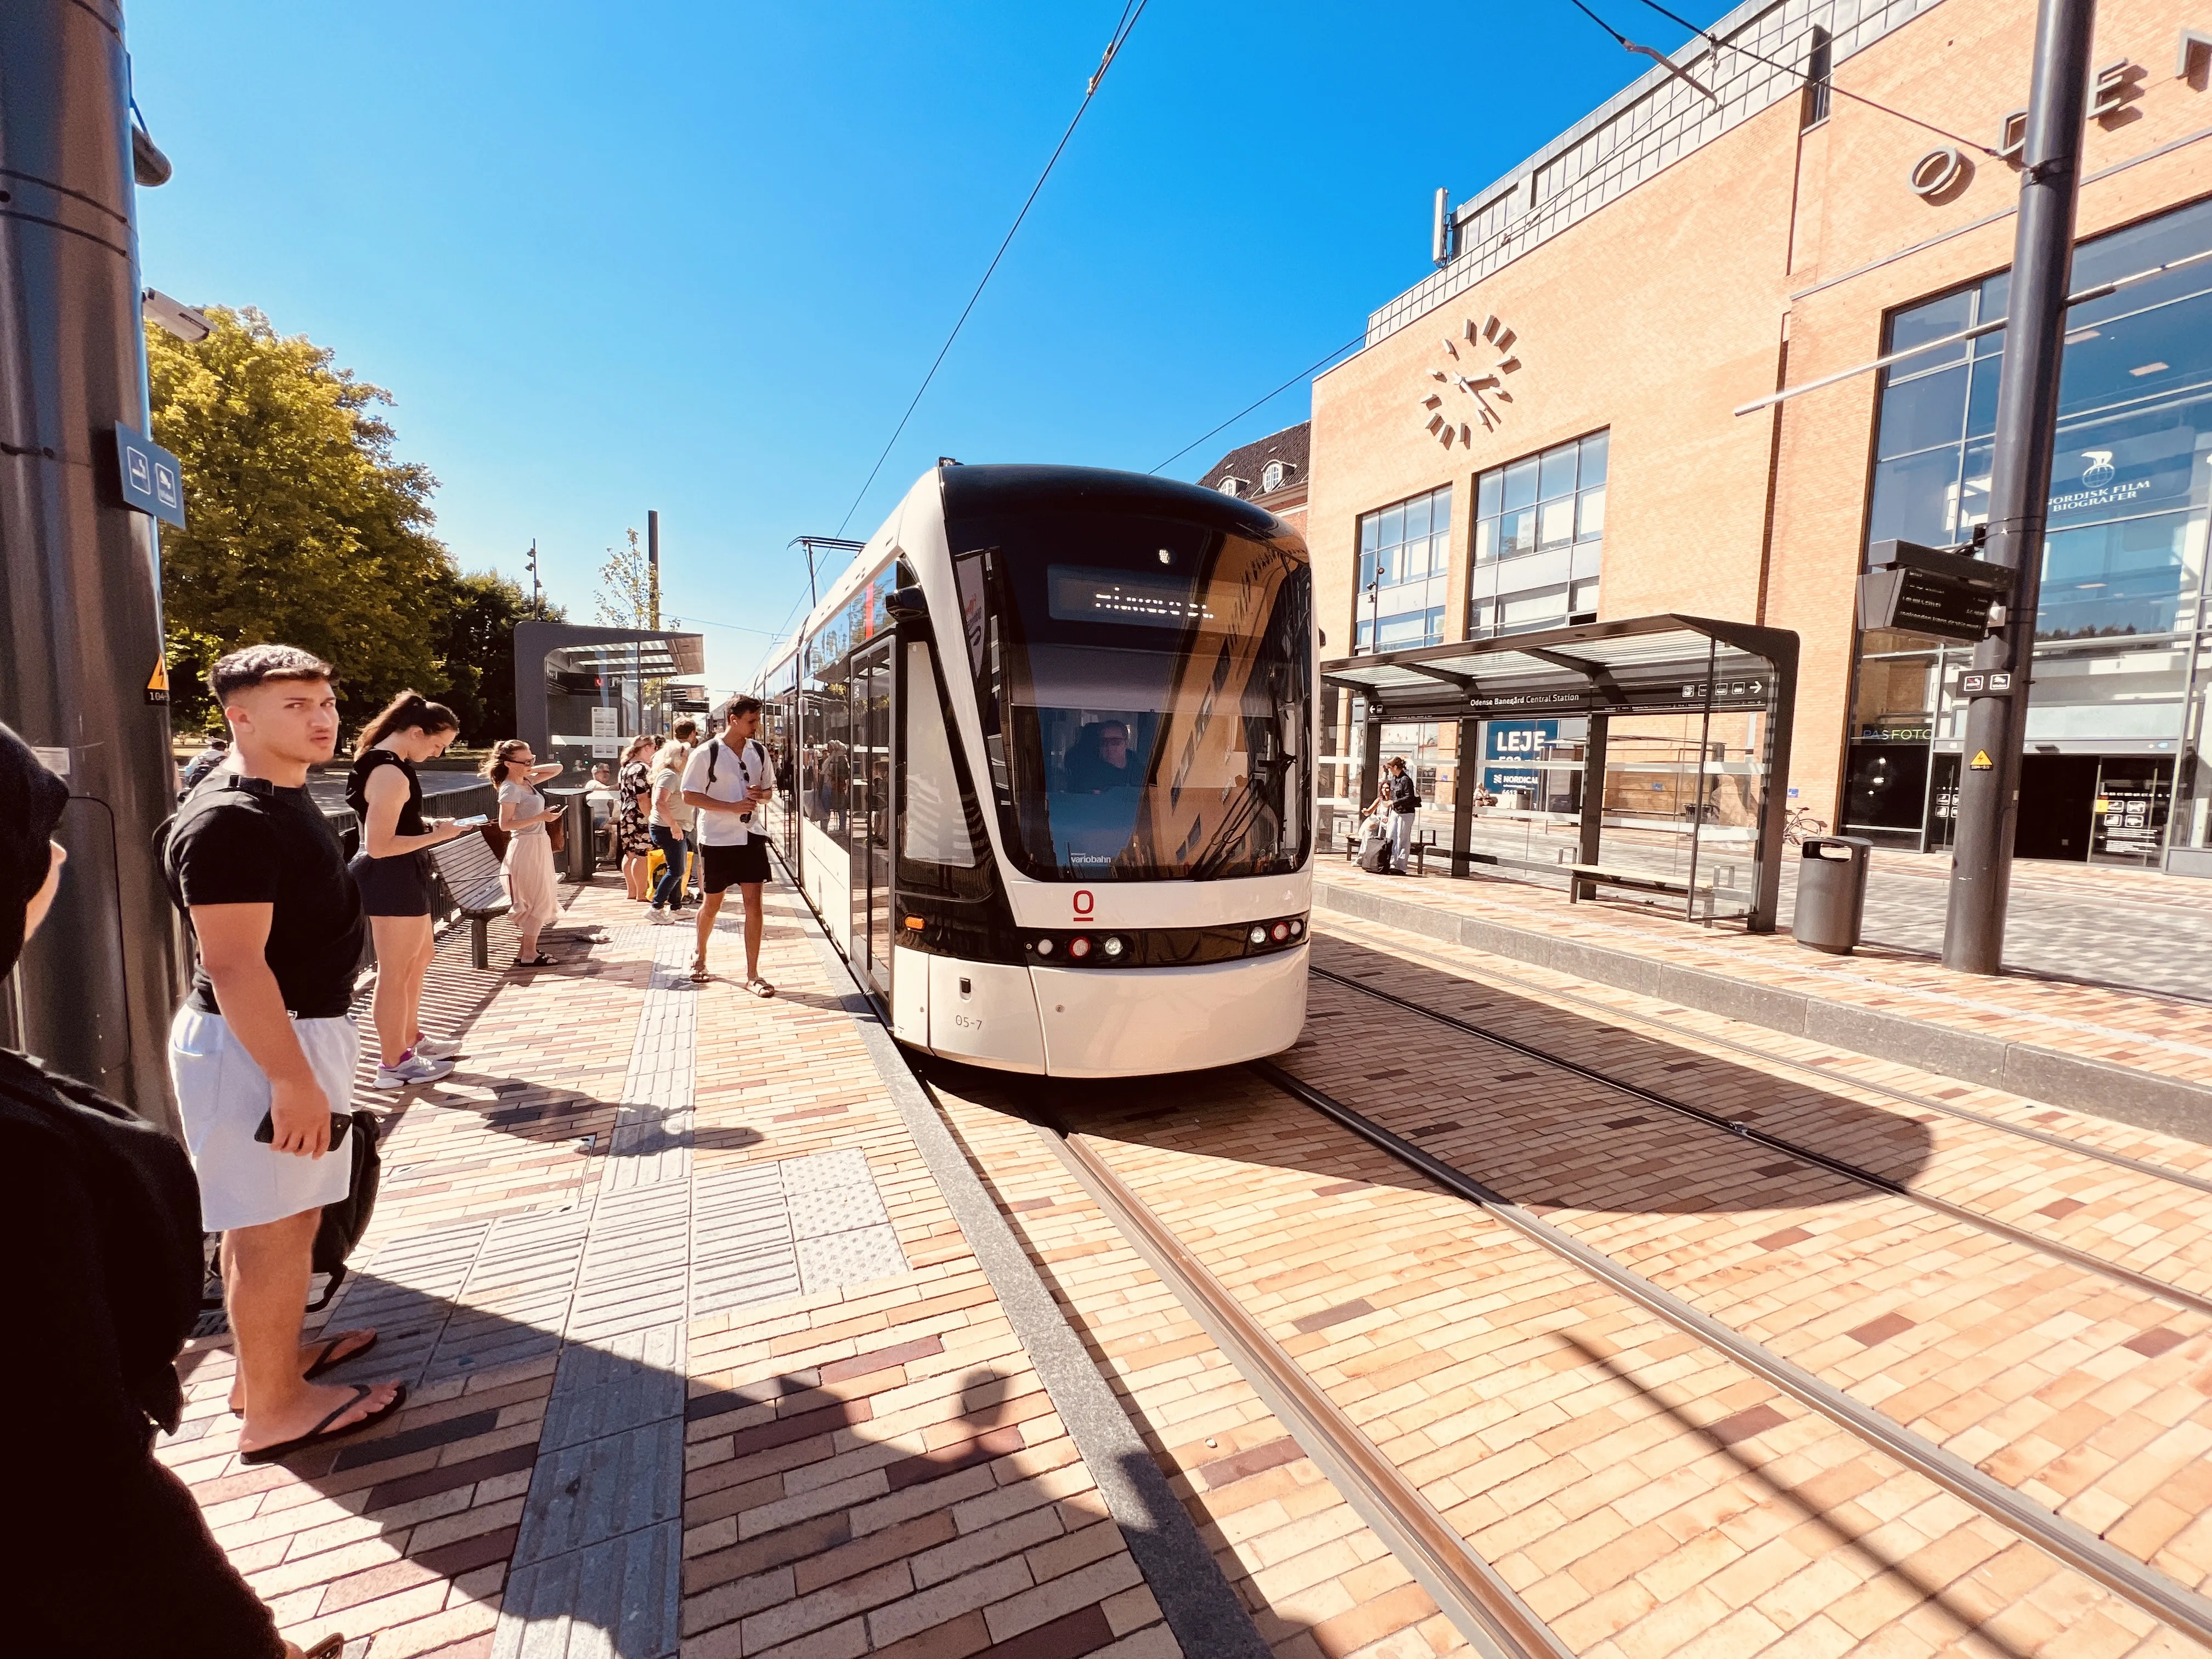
(699, 974)
(329, 1647)
(330, 1359)
(541, 960)
(760, 987)
(323, 1432)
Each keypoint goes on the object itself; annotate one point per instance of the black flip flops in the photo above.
(322, 1433)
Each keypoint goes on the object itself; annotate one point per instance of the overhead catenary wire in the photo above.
(1652, 52)
(1312, 369)
(1717, 45)
(1131, 11)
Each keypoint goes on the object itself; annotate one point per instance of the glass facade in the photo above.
(2116, 711)
(1405, 554)
(1539, 540)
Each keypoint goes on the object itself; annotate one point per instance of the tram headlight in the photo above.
(1258, 933)
(1116, 948)
(1044, 947)
(1279, 931)
(1079, 947)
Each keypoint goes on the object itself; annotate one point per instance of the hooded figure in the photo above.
(100, 1215)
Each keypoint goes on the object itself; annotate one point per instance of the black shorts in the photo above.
(393, 887)
(723, 867)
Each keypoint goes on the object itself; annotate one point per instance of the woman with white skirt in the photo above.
(533, 895)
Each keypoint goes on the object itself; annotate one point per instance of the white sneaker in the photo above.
(411, 1072)
(437, 1048)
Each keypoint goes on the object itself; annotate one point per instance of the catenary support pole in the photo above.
(2020, 484)
(652, 561)
(1466, 779)
(82, 675)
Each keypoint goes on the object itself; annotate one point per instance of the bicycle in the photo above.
(1799, 825)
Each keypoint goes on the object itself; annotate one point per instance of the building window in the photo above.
(2119, 619)
(1271, 477)
(1230, 486)
(1820, 62)
(1404, 552)
(1539, 540)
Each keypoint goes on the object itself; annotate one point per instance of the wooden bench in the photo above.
(1417, 852)
(472, 878)
(1594, 876)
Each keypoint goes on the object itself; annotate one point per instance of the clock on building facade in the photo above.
(1472, 382)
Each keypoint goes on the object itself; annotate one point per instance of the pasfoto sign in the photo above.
(152, 480)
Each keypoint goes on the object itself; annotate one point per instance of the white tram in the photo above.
(1045, 758)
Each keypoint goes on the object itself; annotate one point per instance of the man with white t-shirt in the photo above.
(727, 778)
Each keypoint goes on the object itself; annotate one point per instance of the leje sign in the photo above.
(152, 480)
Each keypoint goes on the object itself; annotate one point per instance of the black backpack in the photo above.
(344, 1222)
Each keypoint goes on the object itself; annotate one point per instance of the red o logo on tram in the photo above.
(1083, 904)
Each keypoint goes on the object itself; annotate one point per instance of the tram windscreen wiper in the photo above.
(1257, 795)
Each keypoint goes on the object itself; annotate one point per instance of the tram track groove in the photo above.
(1482, 1604)
(2150, 1285)
(2138, 1582)
(1486, 974)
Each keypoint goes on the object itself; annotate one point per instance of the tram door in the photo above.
(871, 812)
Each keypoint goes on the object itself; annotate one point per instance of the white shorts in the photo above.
(223, 1096)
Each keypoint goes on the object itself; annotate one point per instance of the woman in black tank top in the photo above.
(392, 871)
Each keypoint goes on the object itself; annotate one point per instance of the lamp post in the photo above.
(2020, 485)
(82, 670)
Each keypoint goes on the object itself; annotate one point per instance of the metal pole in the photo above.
(653, 560)
(2020, 485)
(536, 603)
(80, 637)
(1465, 778)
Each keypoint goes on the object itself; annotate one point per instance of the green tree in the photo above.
(625, 597)
(301, 525)
(476, 647)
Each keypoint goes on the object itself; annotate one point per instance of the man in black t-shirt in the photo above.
(266, 1032)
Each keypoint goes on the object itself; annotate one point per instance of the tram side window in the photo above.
(934, 840)
(826, 769)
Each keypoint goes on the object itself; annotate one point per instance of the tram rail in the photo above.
(1613, 1013)
(2133, 1581)
(2087, 1261)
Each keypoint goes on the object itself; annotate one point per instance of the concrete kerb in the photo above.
(2143, 1099)
(1201, 1609)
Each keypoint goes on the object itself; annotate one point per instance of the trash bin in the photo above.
(1832, 884)
(576, 857)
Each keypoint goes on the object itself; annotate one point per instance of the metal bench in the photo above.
(472, 880)
(1594, 876)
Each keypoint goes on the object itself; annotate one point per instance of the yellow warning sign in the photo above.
(157, 685)
(1981, 762)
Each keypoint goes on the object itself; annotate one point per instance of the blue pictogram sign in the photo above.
(152, 480)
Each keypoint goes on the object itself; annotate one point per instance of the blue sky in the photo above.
(697, 256)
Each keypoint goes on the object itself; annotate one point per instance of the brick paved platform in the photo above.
(2137, 1056)
(700, 1361)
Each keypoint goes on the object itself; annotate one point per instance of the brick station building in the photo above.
(1542, 431)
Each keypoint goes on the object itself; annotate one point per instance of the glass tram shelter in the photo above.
(1650, 755)
(582, 692)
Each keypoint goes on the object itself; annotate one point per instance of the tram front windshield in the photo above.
(1146, 688)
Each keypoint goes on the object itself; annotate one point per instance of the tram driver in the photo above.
(1100, 760)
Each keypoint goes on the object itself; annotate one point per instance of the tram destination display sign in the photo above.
(1932, 590)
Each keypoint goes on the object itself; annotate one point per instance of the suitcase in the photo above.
(1375, 855)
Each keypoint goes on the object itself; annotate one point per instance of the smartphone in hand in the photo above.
(476, 822)
(266, 1133)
